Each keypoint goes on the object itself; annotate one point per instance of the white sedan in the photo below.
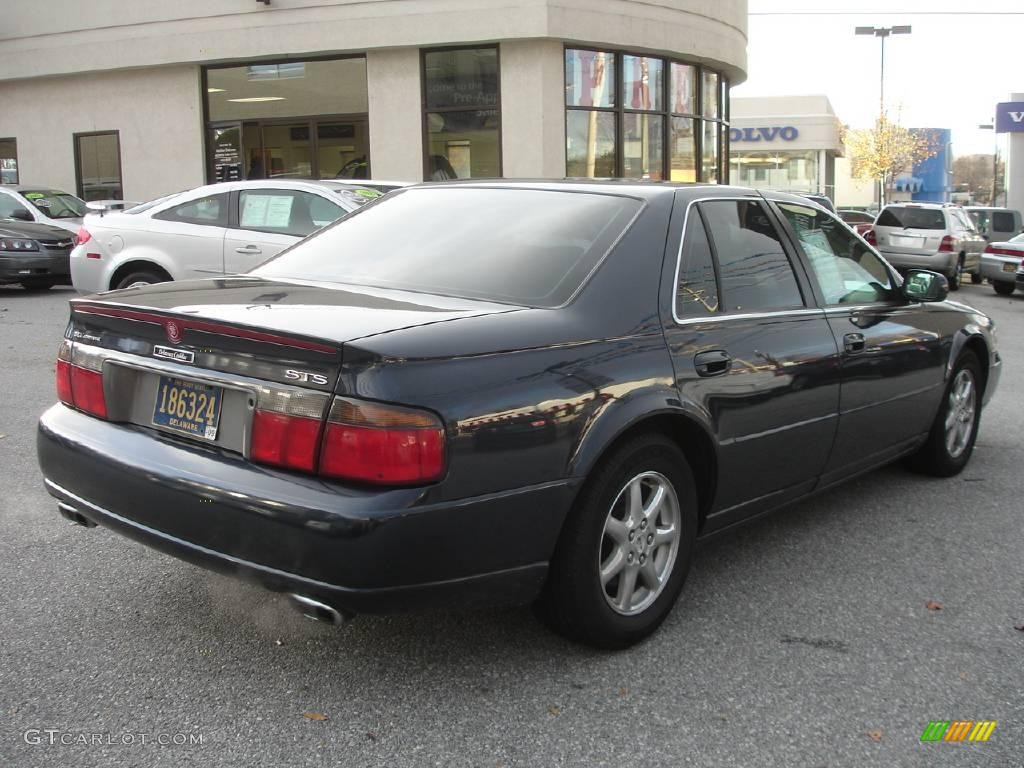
(1000, 263)
(217, 229)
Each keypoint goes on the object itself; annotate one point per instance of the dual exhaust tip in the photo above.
(307, 606)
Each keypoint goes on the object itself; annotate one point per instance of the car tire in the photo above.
(140, 278)
(38, 284)
(614, 528)
(976, 278)
(1003, 288)
(955, 429)
(956, 276)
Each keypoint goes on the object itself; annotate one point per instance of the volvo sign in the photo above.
(784, 132)
(1010, 117)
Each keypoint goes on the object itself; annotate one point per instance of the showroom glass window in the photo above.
(462, 114)
(98, 166)
(643, 117)
(8, 161)
(297, 119)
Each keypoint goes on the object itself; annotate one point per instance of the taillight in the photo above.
(870, 238)
(286, 428)
(948, 244)
(995, 249)
(87, 390)
(79, 386)
(382, 444)
(83, 236)
(285, 441)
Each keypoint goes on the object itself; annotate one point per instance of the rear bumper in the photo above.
(361, 551)
(993, 268)
(45, 266)
(943, 262)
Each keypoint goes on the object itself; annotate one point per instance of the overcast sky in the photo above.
(948, 73)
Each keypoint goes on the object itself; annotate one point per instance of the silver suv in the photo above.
(936, 236)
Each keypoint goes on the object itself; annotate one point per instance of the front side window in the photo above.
(643, 117)
(98, 166)
(847, 270)
(282, 211)
(9, 205)
(209, 211)
(467, 242)
(462, 117)
(754, 270)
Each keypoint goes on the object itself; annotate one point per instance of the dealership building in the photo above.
(135, 100)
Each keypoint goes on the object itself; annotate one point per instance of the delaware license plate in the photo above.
(187, 407)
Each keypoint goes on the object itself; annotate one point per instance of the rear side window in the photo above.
(284, 211)
(1002, 221)
(911, 218)
(696, 289)
(212, 211)
(754, 271)
(528, 247)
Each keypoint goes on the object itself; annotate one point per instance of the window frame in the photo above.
(75, 137)
(425, 110)
(17, 170)
(666, 113)
(808, 288)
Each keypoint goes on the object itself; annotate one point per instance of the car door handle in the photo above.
(853, 343)
(250, 249)
(713, 363)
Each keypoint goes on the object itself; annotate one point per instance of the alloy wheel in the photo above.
(639, 543)
(962, 405)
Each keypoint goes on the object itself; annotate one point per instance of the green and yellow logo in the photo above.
(958, 730)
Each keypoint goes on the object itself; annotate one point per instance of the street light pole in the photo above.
(995, 161)
(882, 33)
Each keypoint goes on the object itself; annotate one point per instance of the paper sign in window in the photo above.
(267, 211)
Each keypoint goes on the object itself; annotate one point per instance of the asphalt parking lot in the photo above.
(801, 640)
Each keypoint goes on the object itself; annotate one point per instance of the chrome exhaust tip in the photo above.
(318, 611)
(70, 513)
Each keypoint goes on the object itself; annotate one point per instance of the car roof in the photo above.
(922, 204)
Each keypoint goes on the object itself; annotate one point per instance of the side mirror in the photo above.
(21, 214)
(922, 285)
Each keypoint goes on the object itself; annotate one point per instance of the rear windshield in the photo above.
(55, 204)
(519, 246)
(911, 218)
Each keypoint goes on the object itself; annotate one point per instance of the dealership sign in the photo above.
(1010, 117)
(784, 132)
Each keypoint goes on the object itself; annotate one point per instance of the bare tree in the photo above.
(973, 174)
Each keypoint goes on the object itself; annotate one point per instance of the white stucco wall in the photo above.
(157, 113)
(533, 131)
(396, 122)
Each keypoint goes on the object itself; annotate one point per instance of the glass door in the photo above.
(343, 150)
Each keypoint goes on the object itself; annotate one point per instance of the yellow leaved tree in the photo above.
(885, 151)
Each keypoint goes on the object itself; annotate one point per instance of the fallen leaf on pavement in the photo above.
(279, 642)
(371, 735)
(623, 691)
(554, 711)
(933, 605)
(1019, 627)
(318, 716)
(876, 735)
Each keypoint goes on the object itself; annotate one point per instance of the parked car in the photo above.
(212, 230)
(1000, 262)
(823, 200)
(41, 204)
(346, 423)
(34, 255)
(935, 236)
(996, 224)
(860, 221)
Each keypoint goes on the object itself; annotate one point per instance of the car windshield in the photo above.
(520, 246)
(911, 218)
(55, 204)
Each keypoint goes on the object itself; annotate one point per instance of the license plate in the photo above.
(187, 407)
(1009, 267)
(906, 241)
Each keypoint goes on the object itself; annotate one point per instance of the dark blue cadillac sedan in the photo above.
(473, 393)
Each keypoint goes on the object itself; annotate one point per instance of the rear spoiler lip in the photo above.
(105, 206)
(86, 307)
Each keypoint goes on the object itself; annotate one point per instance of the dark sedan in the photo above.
(474, 393)
(35, 255)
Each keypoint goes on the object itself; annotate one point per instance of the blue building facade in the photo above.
(931, 180)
